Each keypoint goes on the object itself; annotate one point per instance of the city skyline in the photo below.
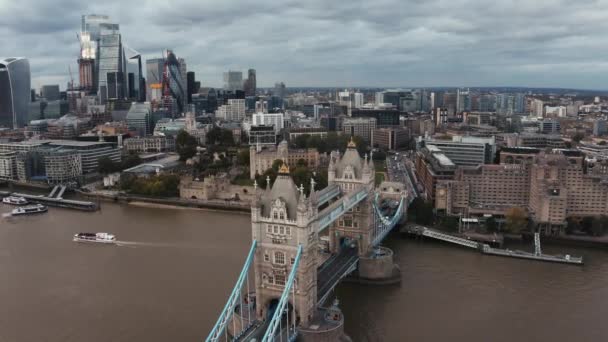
(387, 44)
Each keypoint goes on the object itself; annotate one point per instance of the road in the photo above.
(333, 269)
(399, 169)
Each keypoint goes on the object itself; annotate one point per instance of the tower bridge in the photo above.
(282, 291)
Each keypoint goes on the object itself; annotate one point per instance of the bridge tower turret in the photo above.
(351, 172)
(280, 220)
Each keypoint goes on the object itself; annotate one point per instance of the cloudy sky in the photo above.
(552, 43)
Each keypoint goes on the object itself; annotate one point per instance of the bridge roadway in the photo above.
(334, 269)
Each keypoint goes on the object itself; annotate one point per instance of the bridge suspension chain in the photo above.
(227, 313)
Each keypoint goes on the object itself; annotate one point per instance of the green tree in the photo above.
(130, 160)
(105, 165)
(599, 225)
(243, 157)
(516, 219)
(450, 223)
(185, 144)
(379, 155)
(220, 136)
(276, 164)
(491, 224)
(578, 137)
(301, 141)
(156, 186)
(421, 211)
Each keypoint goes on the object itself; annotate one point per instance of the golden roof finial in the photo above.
(284, 169)
(351, 143)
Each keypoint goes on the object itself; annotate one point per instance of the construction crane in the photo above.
(71, 78)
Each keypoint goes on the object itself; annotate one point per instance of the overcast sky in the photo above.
(550, 43)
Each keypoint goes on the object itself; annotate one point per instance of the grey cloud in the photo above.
(335, 43)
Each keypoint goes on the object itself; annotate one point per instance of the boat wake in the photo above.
(6, 215)
(135, 244)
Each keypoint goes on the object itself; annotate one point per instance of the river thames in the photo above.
(174, 268)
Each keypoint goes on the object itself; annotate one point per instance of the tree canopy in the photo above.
(185, 144)
(332, 142)
(220, 136)
(421, 211)
(516, 219)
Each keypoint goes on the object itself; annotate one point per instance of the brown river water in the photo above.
(169, 278)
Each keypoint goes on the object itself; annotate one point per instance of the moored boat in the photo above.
(14, 200)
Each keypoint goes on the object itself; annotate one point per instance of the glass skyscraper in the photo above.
(14, 92)
(101, 41)
(174, 86)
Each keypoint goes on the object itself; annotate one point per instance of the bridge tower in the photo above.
(281, 221)
(351, 172)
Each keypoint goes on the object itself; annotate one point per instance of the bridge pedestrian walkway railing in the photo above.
(338, 208)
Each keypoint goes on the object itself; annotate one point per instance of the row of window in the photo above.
(278, 230)
(277, 279)
(279, 258)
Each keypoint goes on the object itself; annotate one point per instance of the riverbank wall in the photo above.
(169, 203)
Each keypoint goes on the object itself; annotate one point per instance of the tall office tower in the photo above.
(115, 83)
(190, 85)
(449, 102)
(358, 97)
(50, 92)
(280, 90)
(132, 87)
(432, 101)
(463, 101)
(250, 86)
(183, 71)
(233, 80)
(519, 103)
(15, 89)
(487, 103)
(154, 75)
(111, 58)
(93, 27)
(174, 89)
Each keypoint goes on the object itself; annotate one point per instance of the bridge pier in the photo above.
(378, 268)
(327, 326)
